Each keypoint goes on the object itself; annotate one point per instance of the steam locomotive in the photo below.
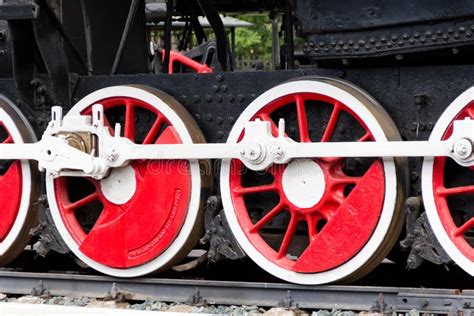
(356, 145)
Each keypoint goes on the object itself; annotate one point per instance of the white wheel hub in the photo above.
(120, 186)
(303, 182)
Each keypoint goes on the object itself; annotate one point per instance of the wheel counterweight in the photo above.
(319, 220)
(142, 217)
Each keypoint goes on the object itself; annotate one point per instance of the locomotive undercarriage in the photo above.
(221, 104)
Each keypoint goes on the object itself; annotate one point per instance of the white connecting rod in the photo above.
(294, 150)
(258, 149)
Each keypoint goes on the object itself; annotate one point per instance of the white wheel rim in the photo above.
(14, 232)
(194, 203)
(365, 254)
(427, 183)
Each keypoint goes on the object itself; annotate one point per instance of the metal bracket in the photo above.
(380, 306)
(40, 290)
(196, 299)
(423, 243)
(222, 243)
(117, 295)
(19, 11)
(288, 302)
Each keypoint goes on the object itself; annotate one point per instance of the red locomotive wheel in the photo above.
(448, 190)
(130, 219)
(18, 184)
(312, 220)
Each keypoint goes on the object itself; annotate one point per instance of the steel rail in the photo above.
(356, 298)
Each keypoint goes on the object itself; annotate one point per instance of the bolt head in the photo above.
(113, 155)
(253, 152)
(276, 150)
(462, 148)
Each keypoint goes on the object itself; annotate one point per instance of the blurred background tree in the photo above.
(254, 43)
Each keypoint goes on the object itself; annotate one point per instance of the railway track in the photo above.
(356, 298)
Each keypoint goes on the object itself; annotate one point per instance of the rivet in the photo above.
(215, 88)
(219, 78)
(219, 120)
(223, 88)
(209, 117)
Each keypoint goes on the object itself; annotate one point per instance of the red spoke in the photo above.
(470, 112)
(265, 219)
(345, 180)
(457, 190)
(153, 133)
(83, 202)
(290, 232)
(8, 140)
(364, 138)
(302, 119)
(332, 123)
(465, 227)
(312, 220)
(129, 128)
(255, 189)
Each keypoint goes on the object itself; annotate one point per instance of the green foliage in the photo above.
(254, 42)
